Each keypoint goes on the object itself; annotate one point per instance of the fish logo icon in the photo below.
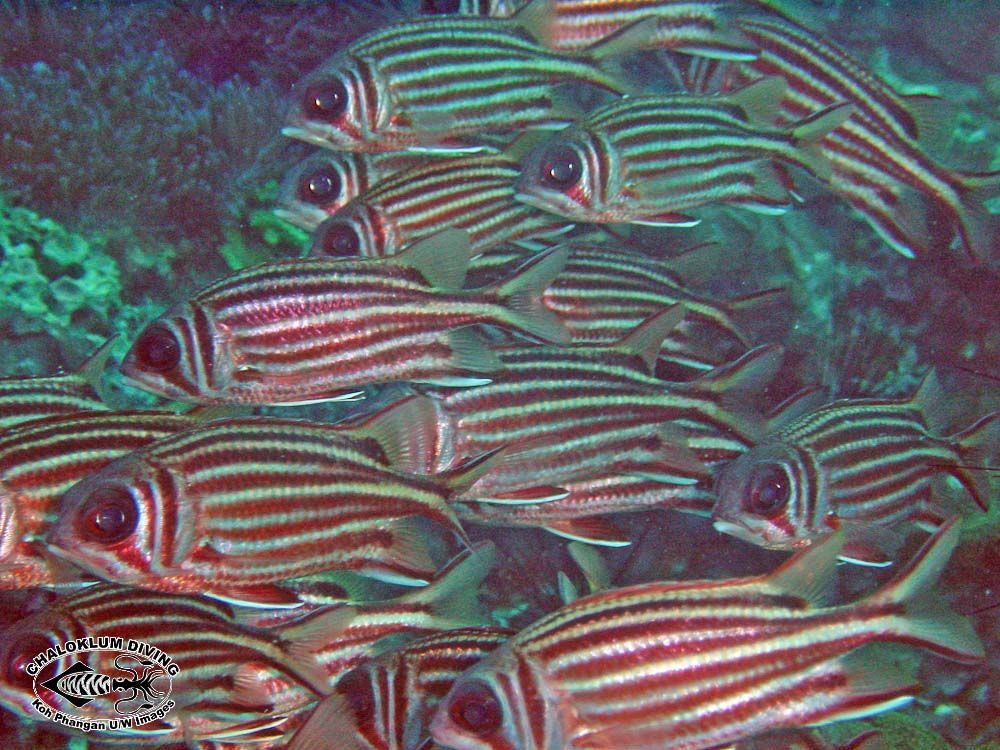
(80, 684)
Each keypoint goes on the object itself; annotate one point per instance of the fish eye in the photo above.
(439, 6)
(325, 100)
(157, 349)
(21, 652)
(319, 186)
(560, 168)
(337, 240)
(474, 708)
(108, 515)
(768, 490)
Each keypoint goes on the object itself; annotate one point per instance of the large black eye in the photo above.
(337, 240)
(319, 186)
(475, 709)
(560, 168)
(767, 491)
(325, 100)
(21, 652)
(108, 515)
(440, 6)
(157, 349)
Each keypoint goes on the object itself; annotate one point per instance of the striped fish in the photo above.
(351, 635)
(694, 28)
(25, 399)
(879, 156)
(229, 508)
(582, 515)
(605, 291)
(647, 159)
(857, 463)
(386, 703)
(318, 329)
(703, 664)
(234, 681)
(42, 460)
(323, 183)
(472, 193)
(593, 411)
(427, 83)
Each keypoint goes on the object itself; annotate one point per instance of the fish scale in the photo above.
(475, 194)
(700, 664)
(226, 507)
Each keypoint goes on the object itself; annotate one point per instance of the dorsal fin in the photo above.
(646, 340)
(761, 99)
(442, 258)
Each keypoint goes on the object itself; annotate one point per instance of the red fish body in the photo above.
(232, 507)
(316, 329)
(864, 463)
(472, 193)
(25, 399)
(605, 292)
(694, 28)
(233, 681)
(320, 185)
(386, 703)
(427, 83)
(649, 159)
(590, 412)
(878, 162)
(702, 664)
(41, 460)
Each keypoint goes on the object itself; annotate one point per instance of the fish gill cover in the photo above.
(141, 160)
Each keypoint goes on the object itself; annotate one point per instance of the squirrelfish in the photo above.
(25, 399)
(606, 290)
(386, 703)
(228, 680)
(702, 664)
(319, 329)
(429, 82)
(882, 157)
(472, 193)
(231, 507)
(41, 460)
(856, 463)
(694, 28)
(584, 513)
(349, 635)
(591, 411)
(648, 159)
(324, 182)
